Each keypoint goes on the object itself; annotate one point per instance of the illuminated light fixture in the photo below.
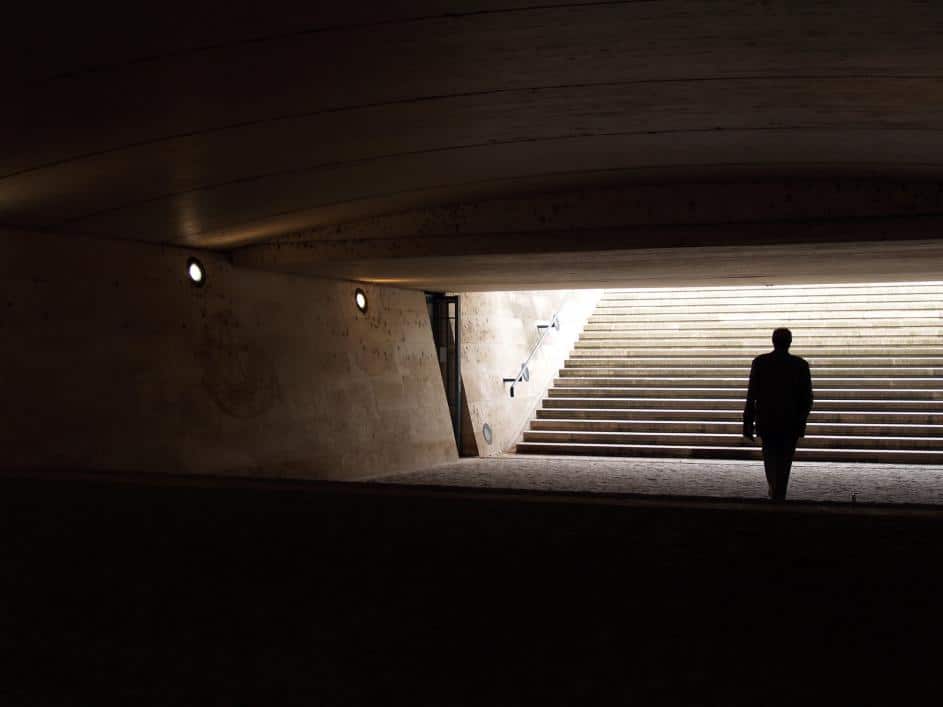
(196, 272)
(360, 299)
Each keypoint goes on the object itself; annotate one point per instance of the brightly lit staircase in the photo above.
(663, 373)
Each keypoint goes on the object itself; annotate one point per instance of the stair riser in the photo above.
(860, 456)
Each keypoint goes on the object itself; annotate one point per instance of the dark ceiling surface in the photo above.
(235, 125)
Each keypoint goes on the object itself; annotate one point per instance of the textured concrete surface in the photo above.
(471, 96)
(810, 481)
(499, 329)
(112, 360)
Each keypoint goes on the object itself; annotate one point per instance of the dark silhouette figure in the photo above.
(778, 402)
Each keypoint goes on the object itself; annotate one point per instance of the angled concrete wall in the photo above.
(498, 331)
(112, 360)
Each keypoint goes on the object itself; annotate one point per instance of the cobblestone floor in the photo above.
(810, 481)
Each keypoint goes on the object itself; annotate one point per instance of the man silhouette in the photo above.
(778, 402)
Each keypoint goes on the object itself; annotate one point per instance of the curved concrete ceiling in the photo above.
(233, 128)
(762, 231)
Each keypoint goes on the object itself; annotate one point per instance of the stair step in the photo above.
(669, 438)
(753, 326)
(739, 393)
(695, 305)
(735, 416)
(740, 382)
(821, 372)
(730, 427)
(735, 403)
(753, 295)
(880, 456)
(917, 300)
(761, 337)
(809, 353)
(818, 363)
(754, 292)
(684, 345)
(840, 286)
(798, 311)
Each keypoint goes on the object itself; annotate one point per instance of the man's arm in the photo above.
(749, 412)
(806, 401)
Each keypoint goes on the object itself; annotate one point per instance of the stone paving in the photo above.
(810, 481)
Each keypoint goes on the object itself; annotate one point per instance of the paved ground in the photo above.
(810, 481)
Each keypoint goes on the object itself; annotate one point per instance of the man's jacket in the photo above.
(779, 397)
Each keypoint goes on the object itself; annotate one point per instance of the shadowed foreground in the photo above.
(199, 592)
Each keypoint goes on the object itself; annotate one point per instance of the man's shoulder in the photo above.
(799, 361)
(771, 358)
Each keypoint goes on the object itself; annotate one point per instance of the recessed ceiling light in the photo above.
(360, 299)
(196, 273)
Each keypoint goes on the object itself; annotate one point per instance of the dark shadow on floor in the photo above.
(261, 594)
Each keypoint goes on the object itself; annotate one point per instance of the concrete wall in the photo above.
(111, 359)
(498, 331)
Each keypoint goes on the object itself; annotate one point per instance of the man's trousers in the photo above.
(778, 451)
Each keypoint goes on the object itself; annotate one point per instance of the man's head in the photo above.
(782, 338)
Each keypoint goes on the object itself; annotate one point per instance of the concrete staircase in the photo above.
(663, 373)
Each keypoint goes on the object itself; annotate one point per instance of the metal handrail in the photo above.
(524, 373)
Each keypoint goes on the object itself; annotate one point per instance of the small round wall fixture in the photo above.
(486, 433)
(360, 299)
(196, 272)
